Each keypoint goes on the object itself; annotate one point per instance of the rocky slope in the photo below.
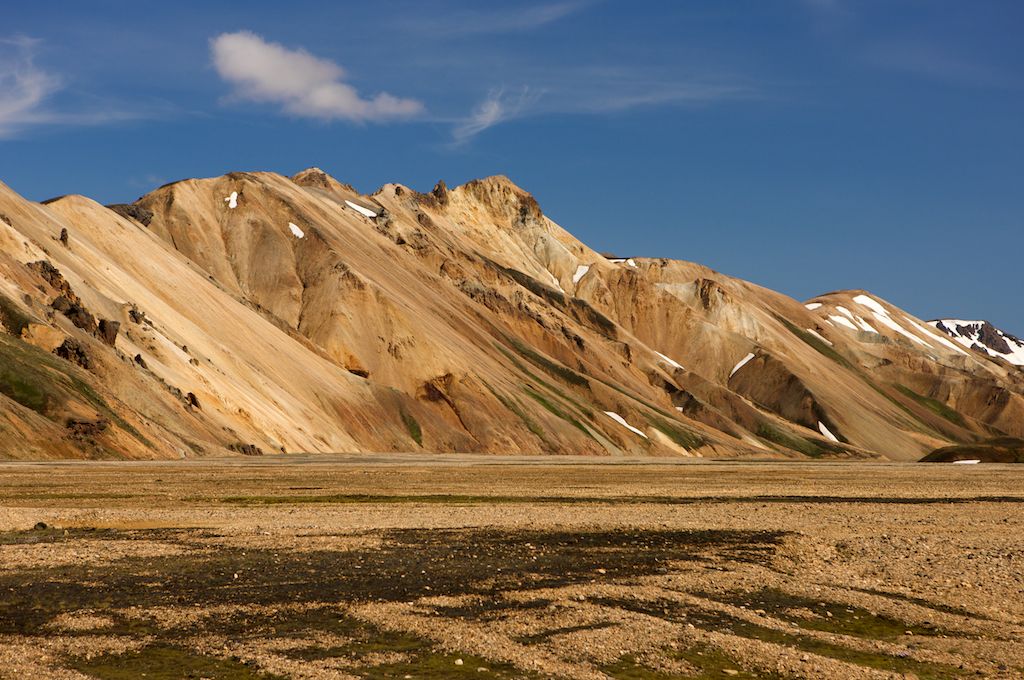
(259, 313)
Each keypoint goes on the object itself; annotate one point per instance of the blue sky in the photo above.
(805, 145)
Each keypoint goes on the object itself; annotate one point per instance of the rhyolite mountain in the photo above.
(259, 313)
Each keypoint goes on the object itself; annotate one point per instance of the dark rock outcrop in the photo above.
(72, 350)
(76, 313)
(246, 449)
(107, 330)
(440, 193)
(84, 428)
(133, 212)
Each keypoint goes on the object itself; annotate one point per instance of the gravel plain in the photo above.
(448, 567)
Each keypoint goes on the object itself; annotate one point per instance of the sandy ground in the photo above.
(423, 567)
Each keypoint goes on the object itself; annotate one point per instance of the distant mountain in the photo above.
(983, 337)
(259, 313)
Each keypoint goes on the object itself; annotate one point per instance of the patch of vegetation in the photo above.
(921, 602)
(808, 447)
(26, 379)
(554, 368)
(933, 405)
(544, 383)
(816, 343)
(11, 316)
(708, 663)
(43, 383)
(345, 499)
(417, 656)
(681, 436)
(831, 617)
(712, 620)
(165, 662)
(413, 426)
(438, 666)
(515, 408)
(555, 410)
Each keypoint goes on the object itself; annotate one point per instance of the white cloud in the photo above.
(496, 108)
(304, 85)
(24, 87)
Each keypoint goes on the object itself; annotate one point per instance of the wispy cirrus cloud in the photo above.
(498, 107)
(474, 22)
(24, 87)
(302, 84)
(925, 60)
(595, 91)
(28, 93)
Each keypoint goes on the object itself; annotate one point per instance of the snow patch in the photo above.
(812, 305)
(670, 362)
(825, 431)
(842, 321)
(232, 200)
(622, 421)
(555, 282)
(933, 335)
(972, 461)
(871, 304)
(581, 271)
(885, 320)
(881, 315)
(295, 230)
(741, 364)
(865, 325)
(620, 260)
(819, 336)
(365, 212)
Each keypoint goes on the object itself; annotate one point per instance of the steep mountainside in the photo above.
(253, 312)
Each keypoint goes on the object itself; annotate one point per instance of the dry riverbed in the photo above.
(405, 567)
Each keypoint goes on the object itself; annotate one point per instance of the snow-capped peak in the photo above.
(983, 337)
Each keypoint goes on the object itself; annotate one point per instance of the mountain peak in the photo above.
(504, 199)
(317, 178)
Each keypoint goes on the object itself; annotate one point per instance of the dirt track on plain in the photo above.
(395, 566)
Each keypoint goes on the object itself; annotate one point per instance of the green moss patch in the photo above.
(413, 427)
(933, 405)
(164, 662)
(808, 447)
(11, 316)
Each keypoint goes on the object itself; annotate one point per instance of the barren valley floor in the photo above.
(446, 567)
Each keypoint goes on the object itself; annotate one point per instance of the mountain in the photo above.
(983, 337)
(259, 313)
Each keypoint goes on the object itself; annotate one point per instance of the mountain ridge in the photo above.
(262, 312)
